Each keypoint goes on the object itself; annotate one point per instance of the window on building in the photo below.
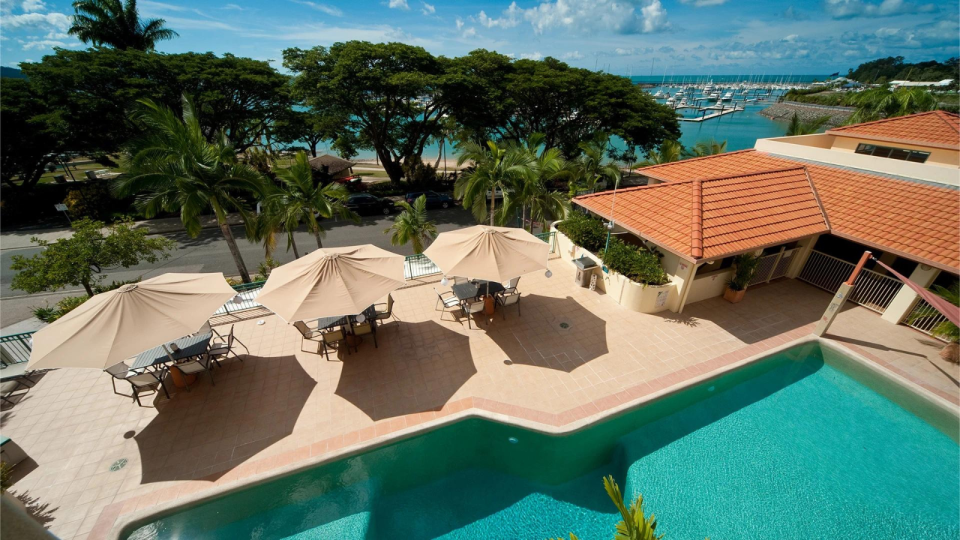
(915, 156)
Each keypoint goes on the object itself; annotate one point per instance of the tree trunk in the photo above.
(439, 155)
(316, 234)
(235, 251)
(293, 244)
(88, 288)
(493, 203)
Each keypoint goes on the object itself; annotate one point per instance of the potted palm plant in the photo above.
(745, 265)
(945, 330)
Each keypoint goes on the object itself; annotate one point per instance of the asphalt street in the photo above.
(208, 253)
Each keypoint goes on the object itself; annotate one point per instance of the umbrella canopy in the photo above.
(113, 326)
(490, 253)
(332, 282)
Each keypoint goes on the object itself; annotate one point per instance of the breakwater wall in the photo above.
(807, 112)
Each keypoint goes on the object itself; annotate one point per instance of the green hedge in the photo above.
(636, 263)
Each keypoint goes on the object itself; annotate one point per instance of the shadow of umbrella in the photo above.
(418, 367)
(555, 333)
(212, 429)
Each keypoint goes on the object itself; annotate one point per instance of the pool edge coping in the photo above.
(113, 517)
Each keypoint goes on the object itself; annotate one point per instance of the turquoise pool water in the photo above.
(805, 444)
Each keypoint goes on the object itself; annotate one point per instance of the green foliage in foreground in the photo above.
(946, 329)
(745, 265)
(412, 226)
(117, 24)
(805, 127)
(636, 263)
(893, 68)
(78, 259)
(634, 524)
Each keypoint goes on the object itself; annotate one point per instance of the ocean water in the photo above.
(792, 447)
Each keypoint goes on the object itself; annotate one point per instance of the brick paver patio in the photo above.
(571, 355)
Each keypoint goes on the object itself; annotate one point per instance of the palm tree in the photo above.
(110, 22)
(412, 225)
(668, 152)
(705, 148)
(297, 199)
(945, 330)
(634, 524)
(531, 191)
(805, 127)
(878, 103)
(494, 168)
(591, 167)
(174, 168)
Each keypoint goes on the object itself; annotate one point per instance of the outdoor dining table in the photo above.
(325, 323)
(189, 346)
(473, 289)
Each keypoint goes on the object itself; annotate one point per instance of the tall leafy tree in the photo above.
(390, 94)
(89, 94)
(29, 143)
(668, 152)
(495, 168)
(705, 148)
(174, 168)
(883, 102)
(412, 226)
(80, 259)
(532, 191)
(117, 24)
(494, 97)
(805, 127)
(592, 165)
(296, 199)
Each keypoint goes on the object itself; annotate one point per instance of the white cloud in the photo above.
(33, 5)
(593, 16)
(469, 33)
(848, 9)
(508, 19)
(621, 51)
(428, 9)
(57, 35)
(42, 44)
(459, 23)
(398, 4)
(703, 3)
(572, 55)
(234, 7)
(792, 38)
(329, 10)
(532, 56)
(6, 6)
(30, 20)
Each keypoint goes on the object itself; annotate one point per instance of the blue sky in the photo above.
(636, 37)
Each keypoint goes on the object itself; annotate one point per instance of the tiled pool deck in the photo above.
(572, 354)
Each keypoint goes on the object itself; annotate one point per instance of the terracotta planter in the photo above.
(951, 353)
(733, 296)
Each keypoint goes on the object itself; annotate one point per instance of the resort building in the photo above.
(810, 206)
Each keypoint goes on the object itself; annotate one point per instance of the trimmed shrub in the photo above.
(636, 263)
(584, 231)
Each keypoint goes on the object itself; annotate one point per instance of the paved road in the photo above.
(208, 253)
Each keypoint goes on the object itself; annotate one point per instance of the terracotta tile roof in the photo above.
(912, 219)
(717, 217)
(936, 128)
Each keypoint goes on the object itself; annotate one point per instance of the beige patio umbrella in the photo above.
(488, 253)
(332, 282)
(115, 325)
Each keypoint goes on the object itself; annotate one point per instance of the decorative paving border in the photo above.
(116, 516)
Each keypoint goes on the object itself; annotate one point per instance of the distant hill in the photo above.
(894, 68)
(13, 73)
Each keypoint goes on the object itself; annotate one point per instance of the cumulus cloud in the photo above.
(398, 4)
(584, 16)
(33, 5)
(848, 9)
(469, 33)
(532, 56)
(37, 20)
(572, 55)
(459, 23)
(428, 9)
(42, 44)
(333, 11)
(508, 19)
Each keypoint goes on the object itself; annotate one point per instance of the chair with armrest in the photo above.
(139, 380)
(470, 308)
(446, 301)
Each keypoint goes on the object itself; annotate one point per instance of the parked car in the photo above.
(499, 193)
(434, 199)
(364, 203)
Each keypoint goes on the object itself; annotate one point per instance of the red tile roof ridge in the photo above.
(630, 189)
(690, 160)
(696, 220)
(798, 167)
(943, 115)
(950, 120)
(816, 195)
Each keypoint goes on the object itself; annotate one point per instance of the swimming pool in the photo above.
(804, 444)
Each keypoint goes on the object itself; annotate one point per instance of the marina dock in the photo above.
(718, 114)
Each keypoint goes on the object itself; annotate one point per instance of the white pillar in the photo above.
(687, 274)
(905, 300)
(804, 249)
